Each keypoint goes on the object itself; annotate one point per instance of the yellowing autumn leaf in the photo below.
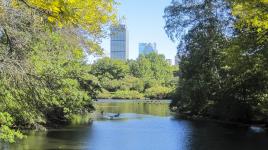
(89, 15)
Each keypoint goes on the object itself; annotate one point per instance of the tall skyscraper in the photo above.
(119, 42)
(147, 48)
(177, 60)
(169, 61)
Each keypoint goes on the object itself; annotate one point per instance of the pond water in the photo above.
(144, 126)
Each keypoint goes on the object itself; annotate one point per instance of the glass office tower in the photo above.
(119, 42)
(177, 60)
(147, 48)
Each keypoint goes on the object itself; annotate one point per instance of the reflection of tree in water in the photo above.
(159, 109)
(217, 136)
(66, 138)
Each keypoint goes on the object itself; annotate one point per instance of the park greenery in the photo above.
(150, 76)
(44, 79)
(223, 54)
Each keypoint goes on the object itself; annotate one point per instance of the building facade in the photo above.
(177, 60)
(169, 61)
(147, 48)
(119, 43)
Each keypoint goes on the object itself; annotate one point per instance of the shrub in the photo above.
(127, 95)
(131, 83)
(158, 92)
(105, 95)
(8, 134)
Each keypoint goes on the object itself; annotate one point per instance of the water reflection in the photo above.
(208, 135)
(145, 127)
(157, 108)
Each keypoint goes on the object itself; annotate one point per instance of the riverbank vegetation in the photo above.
(223, 58)
(44, 78)
(150, 76)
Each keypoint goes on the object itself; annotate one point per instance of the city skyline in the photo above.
(119, 45)
(148, 27)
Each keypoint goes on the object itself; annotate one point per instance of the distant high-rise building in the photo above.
(169, 61)
(177, 60)
(119, 42)
(147, 48)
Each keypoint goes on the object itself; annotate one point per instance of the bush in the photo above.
(131, 83)
(158, 92)
(151, 83)
(7, 134)
(104, 95)
(110, 85)
(127, 95)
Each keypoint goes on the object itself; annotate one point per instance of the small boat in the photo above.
(115, 116)
(111, 117)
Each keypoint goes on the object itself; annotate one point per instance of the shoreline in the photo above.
(189, 117)
(262, 125)
(133, 100)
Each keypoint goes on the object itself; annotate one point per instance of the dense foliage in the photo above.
(150, 76)
(44, 79)
(224, 61)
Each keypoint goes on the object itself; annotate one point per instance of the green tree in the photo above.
(111, 69)
(90, 15)
(251, 13)
(199, 51)
(152, 66)
(134, 76)
(244, 78)
(158, 92)
(43, 77)
(222, 72)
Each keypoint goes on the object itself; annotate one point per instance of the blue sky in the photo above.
(145, 23)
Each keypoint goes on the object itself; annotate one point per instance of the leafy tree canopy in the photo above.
(89, 15)
(251, 13)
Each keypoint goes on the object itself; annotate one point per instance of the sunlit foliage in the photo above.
(251, 13)
(44, 78)
(149, 76)
(223, 73)
(8, 134)
(89, 15)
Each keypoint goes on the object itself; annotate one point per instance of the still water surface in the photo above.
(145, 126)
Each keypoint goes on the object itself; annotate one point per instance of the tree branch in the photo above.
(37, 9)
(9, 43)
